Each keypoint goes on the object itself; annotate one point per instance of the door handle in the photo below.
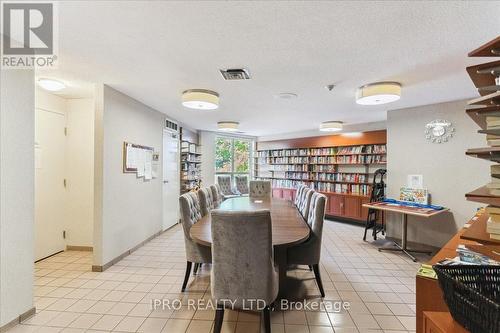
(165, 182)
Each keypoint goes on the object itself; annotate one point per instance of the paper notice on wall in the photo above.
(155, 166)
(415, 181)
(140, 159)
(148, 160)
(131, 162)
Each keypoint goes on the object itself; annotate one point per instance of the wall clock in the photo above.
(439, 131)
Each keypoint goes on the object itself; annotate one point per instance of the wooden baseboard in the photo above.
(98, 268)
(22, 317)
(79, 248)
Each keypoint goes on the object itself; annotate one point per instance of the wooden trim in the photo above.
(365, 138)
(102, 268)
(22, 317)
(79, 248)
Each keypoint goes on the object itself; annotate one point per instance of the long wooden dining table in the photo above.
(288, 228)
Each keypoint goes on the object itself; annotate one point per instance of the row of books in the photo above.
(292, 167)
(321, 186)
(342, 188)
(296, 175)
(368, 149)
(341, 177)
(493, 224)
(283, 160)
(349, 159)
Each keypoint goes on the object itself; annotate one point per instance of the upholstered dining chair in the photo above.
(260, 189)
(216, 194)
(226, 187)
(304, 202)
(195, 253)
(243, 267)
(298, 194)
(309, 252)
(207, 202)
(241, 184)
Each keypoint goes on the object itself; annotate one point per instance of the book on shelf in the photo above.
(495, 170)
(493, 140)
(492, 211)
(494, 184)
(492, 122)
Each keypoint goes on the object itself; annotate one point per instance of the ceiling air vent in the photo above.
(171, 126)
(235, 74)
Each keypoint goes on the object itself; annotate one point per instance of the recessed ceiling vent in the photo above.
(235, 74)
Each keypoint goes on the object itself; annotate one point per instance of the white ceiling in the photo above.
(154, 50)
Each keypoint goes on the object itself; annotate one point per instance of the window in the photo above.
(232, 156)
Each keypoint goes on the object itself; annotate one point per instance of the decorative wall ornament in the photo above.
(439, 131)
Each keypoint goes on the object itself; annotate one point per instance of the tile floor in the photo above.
(380, 288)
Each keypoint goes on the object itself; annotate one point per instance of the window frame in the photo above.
(251, 149)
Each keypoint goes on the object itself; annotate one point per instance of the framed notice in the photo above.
(137, 159)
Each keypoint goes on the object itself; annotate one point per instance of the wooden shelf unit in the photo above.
(288, 163)
(490, 49)
(190, 165)
(483, 76)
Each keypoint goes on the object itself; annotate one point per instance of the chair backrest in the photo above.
(190, 211)
(260, 189)
(298, 194)
(216, 194)
(315, 220)
(304, 202)
(207, 202)
(242, 256)
(225, 185)
(241, 184)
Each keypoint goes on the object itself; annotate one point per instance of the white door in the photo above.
(50, 142)
(171, 181)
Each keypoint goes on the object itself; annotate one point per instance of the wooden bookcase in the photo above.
(339, 166)
(488, 105)
(190, 168)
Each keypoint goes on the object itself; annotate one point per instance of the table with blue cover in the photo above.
(405, 209)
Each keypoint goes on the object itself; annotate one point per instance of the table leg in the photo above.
(404, 240)
(280, 260)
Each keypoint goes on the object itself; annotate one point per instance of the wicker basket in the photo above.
(472, 293)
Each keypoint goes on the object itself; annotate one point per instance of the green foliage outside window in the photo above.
(232, 155)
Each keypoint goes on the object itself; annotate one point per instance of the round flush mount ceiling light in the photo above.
(378, 93)
(286, 95)
(200, 99)
(51, 85)
(228, 126)
(331, 126)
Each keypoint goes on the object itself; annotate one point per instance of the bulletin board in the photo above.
(141, 160)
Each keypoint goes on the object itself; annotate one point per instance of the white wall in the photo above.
(448, 172)
(79, 163)
(17, 130)
(207, 142)
(128, 210)
(80, 172)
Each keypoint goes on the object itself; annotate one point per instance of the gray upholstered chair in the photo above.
(226, 187)
(195, 253)
(207, 202)
(260, 189)
(243, 266)
(309, 252)
(216, 194)
(241, 184)
(304, 202)
(298, 194)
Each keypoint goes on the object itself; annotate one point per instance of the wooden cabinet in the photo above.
(288, 194)
(277, 193)
(441, 322)
(337, 204)
(352, 207)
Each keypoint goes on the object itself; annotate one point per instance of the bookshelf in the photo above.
(338, 167)
(486, 79)
(190, 163)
